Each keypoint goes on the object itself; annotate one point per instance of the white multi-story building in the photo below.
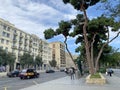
(46, 54)
(18, 42)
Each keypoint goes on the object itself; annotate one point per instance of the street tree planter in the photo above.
(101, 80)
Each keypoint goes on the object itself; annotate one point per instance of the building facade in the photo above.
(69, 62)
(46, 54)
(19, 42)
(58, 53)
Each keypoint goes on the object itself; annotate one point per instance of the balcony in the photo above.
(30, 45)
(30, 50)
(14, 47)
(14, 40)
(20, 42)
(21, 36)
(20, 48)
(25, 49)
(26, 38)
(26, 44)
(15, 34)
(30, 39)
(19, 54)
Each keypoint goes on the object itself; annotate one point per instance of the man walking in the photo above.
(72, 72)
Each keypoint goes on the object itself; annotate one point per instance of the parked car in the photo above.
(28, 73)
(14, 73)
(50, 71)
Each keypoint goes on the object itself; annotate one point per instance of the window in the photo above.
(1, 47)
(3, 33)
(4, 27)
(2, 40)
(7, 42)
(8, 35)
(14, 31)
(8, 28)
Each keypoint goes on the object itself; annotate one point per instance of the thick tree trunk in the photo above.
(88, 56)
(92, 51)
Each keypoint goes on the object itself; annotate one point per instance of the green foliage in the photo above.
(96, 75)
(26, 60)
(38, 61)
(53, 63)
(102, 70)
(49, 33)
(110, 58)
(6, 58)
(77, 4)
(64, 28)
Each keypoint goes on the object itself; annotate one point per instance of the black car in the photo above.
(14, 73)
(28, 73)
(50, 71)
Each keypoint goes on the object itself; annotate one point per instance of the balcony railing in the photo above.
(14, 47)
(26, 43)
(15, 33)
(30, 45)
(21, 42)
(26, 38)
(21, 36)
(19, 54)
(20, 48)
(14, 40)
(25, 49)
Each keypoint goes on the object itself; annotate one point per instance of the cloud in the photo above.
(34, 16)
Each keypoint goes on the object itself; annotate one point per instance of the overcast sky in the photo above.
(34, 16)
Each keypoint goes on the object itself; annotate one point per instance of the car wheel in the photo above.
(21, 77)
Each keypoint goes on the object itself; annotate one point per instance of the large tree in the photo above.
(38, 61)
(53, 63)
(6, 58)
(91, 33)
(26, 60)
(82, 5)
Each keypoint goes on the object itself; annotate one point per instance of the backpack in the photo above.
(71, 71)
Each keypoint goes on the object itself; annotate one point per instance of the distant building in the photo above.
(58, 53)
(69, 62)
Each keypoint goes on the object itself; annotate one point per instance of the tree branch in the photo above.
(100, 52)
(93, 40)
(65, 42)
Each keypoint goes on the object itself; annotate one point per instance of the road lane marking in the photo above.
(35, 82)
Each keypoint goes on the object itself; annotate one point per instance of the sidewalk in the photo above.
(113, 83)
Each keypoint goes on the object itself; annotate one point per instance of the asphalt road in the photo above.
(16, 83)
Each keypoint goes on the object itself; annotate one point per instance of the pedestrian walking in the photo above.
(110, 72)
(72, 73)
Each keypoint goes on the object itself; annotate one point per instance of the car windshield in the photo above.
(23, 71)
